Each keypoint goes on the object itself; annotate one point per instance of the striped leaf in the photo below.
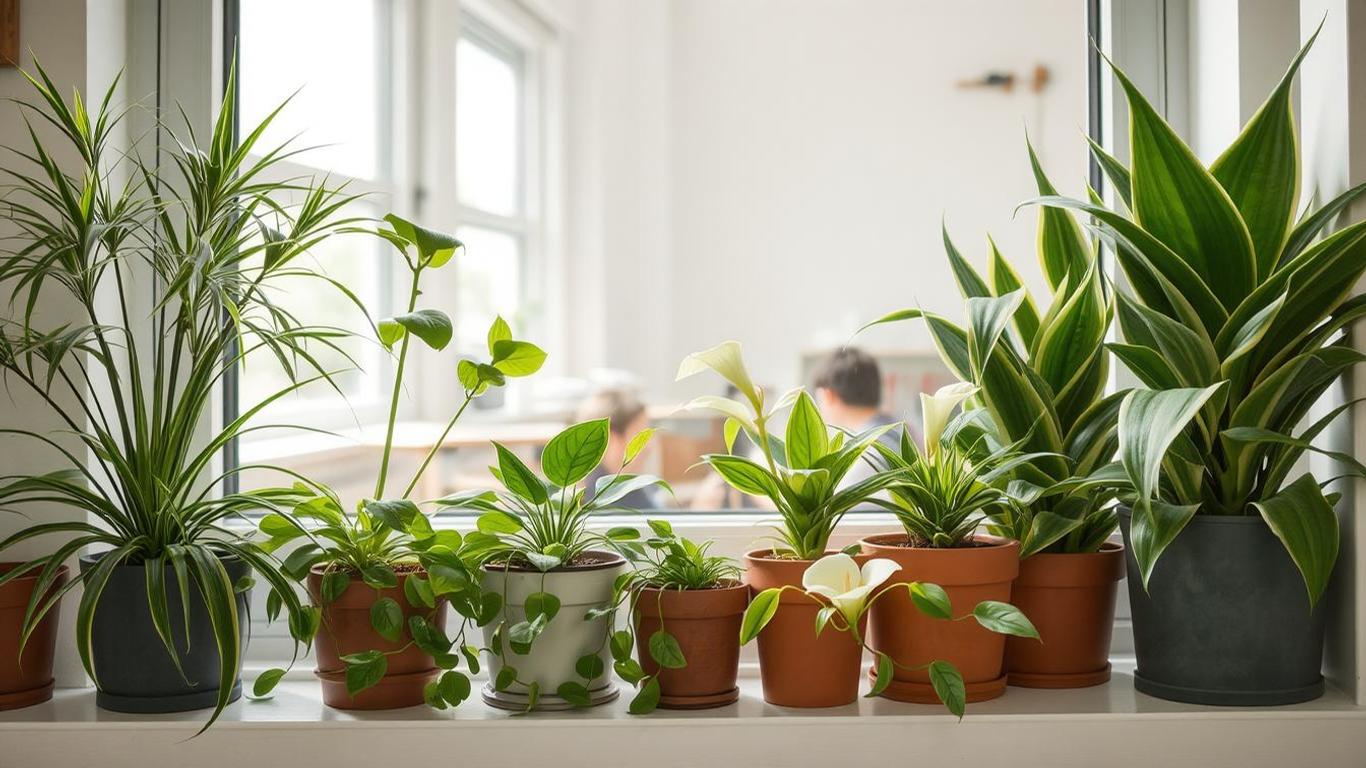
(1062, 245)
(1303, 519)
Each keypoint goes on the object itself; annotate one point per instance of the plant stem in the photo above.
(398, 387)
(436, 447)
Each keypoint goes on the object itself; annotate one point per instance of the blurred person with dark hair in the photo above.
(849, 393)
(626, 417)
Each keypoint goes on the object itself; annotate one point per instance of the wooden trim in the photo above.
(9, 33)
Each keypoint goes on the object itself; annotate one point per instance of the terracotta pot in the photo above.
(706, 623)
(969, 575)
(346, 629)
(798, 667)
(1071, 600)
(568, 637)
(28, 681)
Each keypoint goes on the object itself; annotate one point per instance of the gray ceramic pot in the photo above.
(134, 671)
(566, 639)
(1226, 618)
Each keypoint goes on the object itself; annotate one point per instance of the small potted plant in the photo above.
(941, 498)
(844, 592)
(1041, 381)
(161, 625)
(382, 576)
(26, 662)
(801, 476)
(553, 577)
(1234, 318)
(685, 608)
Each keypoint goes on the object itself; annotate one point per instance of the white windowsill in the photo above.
(1108, 725)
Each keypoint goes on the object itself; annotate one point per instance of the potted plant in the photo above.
(942, 496)
(161, 622)
(844, 591)
(1041, 381)
(382, 576)
(26, 661)
(553, 577)
(685, 607)
(800, 475)
(1234, 321)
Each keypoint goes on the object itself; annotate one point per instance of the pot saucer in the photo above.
(1062, 680)
(705, 701)
(923, 693)
(547, 702)
(26, 698)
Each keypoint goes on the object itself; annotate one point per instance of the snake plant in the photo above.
(1235, 321)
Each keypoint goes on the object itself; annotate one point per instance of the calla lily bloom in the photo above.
(840, 580)
(937, 409)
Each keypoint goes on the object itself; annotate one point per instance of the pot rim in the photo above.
(615, 561)
(759, 555)
(731, 585)
(90, 558)
(1107, 548)
(321, 568)
(33, 574)
(1127, 512)
(992, 542)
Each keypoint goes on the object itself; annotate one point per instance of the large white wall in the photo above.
(776, 171)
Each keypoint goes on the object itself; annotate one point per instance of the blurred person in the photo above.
(849, 394)
(626, 417)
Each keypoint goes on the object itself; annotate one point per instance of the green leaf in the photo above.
(629, 669)
(395, 513)
(431, 325)
(886, 671)
(759, 613)
(988, 319)
(1181, 204)
(380, 576)
(499, 522)
(572, 454)
(661, 528)
(1005, 280)
(364, 670)
(467, 372)
(517, 358)
(931, 599)
(1115, 172)
(1004, 619)
(419, 592)
(505, 678)
(434, 249)
(445, 580)
(665, 650)
(621, 645)
(1261, 170)
(590, 667)
(498, 331)
(948, 685)
(808, 439)
(386, 616)
(647, 699)
(637, 444)
(390, 332)
(454, 687)
(533, 695)
(574, 693)
(824, 615)
(1152, 528)
(726, 361)
(743, 475)
(517, 477)
(1062, 245)
(428, 637)
(541, 604)
(1303, 519)
(334, 584)
(471, 655)
(970, 284)
(266, 682)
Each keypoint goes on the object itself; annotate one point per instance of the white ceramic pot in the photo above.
(567, 637)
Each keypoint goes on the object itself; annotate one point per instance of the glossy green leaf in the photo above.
(364, 670)
(1004, 619)
(454, 687)
(647, 699)
(1304, 520)
(431, 325)
(807, 437)
(1062, 245)
(947, 683)
(759, 613)
(266, 682)
(572, 454)
(885, 673)
(517, 358)
(665, 650)
(386, 616)
(517, 477)
(931, 599)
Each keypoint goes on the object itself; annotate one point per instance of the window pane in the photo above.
(487, 127)
(488, 284)
(329, 51)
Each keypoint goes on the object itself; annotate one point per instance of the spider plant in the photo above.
(135, 384)
(1040, 379)
(673, 562)
(946, 490)
(1235, 322)
(800, 473)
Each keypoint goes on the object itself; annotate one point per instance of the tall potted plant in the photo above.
(1040, 380)
(552, 578)
(161, 622)
(800, 475)
(382, 576)
(1234, 320)
(942, 496)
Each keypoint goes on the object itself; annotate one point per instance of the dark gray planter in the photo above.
(135, 672)
(1226, 618)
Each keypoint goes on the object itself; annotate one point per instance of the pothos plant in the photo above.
(663, 561)
(801, 472)
(1040, 379)
(389, 531)
(542, 523)
(845, 592)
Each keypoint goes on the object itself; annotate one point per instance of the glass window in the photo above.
(488, 130)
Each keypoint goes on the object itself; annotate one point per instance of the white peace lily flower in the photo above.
(840, 580)
(937, 409)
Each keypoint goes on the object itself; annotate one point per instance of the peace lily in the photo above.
(839, 579)
(937, 409)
